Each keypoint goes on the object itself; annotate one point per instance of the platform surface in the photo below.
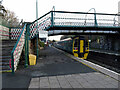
(54, 69)
(65, 72)
(87, 80)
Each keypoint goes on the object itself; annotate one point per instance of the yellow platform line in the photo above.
(5, 71)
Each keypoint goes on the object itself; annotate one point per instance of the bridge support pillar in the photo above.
(27, 45)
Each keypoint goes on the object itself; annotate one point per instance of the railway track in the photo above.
(109, 61)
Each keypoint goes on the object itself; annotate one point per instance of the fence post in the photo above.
(95, 19)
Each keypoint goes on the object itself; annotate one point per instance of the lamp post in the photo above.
(36, 9)
(37, 28)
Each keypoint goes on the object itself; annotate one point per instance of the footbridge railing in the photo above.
(17, 50)
(42, 23)
(73, 19)
(63, 18)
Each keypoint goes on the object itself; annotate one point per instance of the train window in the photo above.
(76, 43)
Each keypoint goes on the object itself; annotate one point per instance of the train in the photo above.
(78, 46)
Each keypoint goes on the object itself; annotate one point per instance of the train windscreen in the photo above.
(76, 43)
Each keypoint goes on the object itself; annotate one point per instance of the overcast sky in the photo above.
(26, 9)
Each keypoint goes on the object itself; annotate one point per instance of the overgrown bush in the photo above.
(41, 44)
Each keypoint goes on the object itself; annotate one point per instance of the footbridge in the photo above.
(64, 22)
(61, 23)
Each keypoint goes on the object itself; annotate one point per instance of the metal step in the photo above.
(4, 41)
(5, 57)
(4, 63)
(4, 67)
(7, 45)
(6, 48)
(4, 60)
(5, 54)
(2, 71)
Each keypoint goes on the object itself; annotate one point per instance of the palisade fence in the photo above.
(17, 50)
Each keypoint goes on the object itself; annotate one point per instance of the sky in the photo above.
(26, 9)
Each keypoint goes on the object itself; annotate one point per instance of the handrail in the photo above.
(45, 19)
(41, 17)
(19, 43)
(95, 20)
(84, 13)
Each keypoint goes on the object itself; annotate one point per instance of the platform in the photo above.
(86, 80)
(71, 74)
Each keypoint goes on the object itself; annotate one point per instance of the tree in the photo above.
(10, 19)
(2, 10)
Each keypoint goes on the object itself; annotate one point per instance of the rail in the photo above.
(17, 50)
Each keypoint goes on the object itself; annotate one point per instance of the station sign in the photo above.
(43, 34)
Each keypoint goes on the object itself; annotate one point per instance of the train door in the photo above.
(75, 46)
(86, 49)
(81, 48)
